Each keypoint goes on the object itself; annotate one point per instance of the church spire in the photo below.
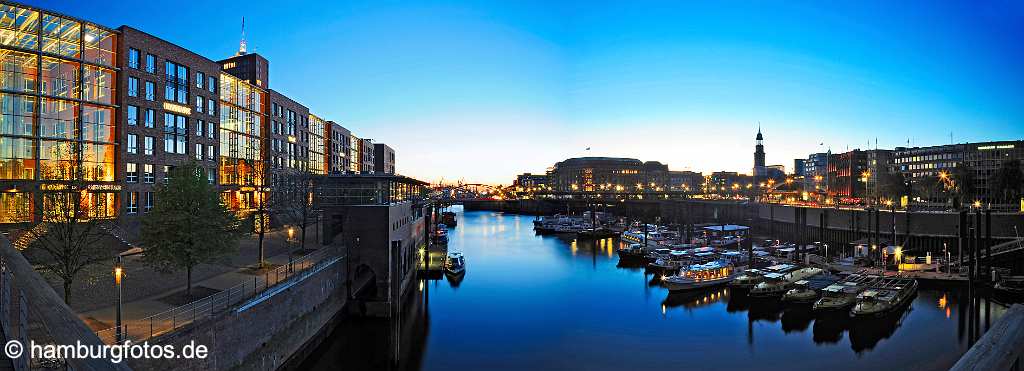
(241, 43)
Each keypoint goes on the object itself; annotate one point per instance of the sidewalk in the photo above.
(134, 310)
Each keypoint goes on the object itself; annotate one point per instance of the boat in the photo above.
(595, 233)
(801, 293)
(448, 218)
(752, 277)
(440, 235)
(884, 296)
(632, 251)
(1011, 285)
(697, 276)
(843, 294)
(455, 264)
(669, 261)
(776, 284)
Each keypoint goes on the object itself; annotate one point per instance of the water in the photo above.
(549, 303)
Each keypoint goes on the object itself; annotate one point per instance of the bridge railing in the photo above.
(1002, 346)
(138, 330)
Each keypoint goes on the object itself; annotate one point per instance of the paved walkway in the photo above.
(134, 311)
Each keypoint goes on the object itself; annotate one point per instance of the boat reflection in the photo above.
(695, 299)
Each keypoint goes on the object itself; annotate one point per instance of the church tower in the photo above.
(759, 169)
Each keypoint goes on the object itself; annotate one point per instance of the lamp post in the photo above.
(118, 273)
(291, 247)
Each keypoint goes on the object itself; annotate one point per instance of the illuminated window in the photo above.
(15, 207)
(18, 71)
(149, 201)
(148, 146)
(133, 202)
(133, 144)
(175, 130)
(17, 158)
(131, 172)
(147, 173)
(99, 45)
(16, 114)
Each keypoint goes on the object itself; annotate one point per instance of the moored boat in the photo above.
(699, 276)
(884, 296)
(632, 251)
(843, 294)
(776, 284)
(455, 264)
(752, 277)
(801, 293)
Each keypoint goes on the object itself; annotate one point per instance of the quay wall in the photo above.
(269, 334)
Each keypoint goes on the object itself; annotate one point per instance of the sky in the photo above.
(480, 91)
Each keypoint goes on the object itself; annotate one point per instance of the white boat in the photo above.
(455, 264)
(698, 276)
(776, 284)
(800, 293)
(752, 277)
(633, 251)
(884, 296)
(843, 294)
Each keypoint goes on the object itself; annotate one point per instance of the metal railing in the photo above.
(139, 330)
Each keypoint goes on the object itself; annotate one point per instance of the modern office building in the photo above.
(530, 181)
(594, 174)
(112, 111)
(60, 130)
(686, 181)
(798, 167)
(383, 159)
(339, 144)
(983, 160)
(846, 176)
(816, 172)
(170, 109)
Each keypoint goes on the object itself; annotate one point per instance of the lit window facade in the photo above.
(242, 114)
(57, 112)
(317, 145)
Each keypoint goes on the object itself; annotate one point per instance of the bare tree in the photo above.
(67, 239)
(296, 200)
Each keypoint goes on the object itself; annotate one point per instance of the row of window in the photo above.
(174, 71)
(173, 143)
(132, 203)
(134, 173)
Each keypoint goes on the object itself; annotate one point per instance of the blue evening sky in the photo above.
(485, 90)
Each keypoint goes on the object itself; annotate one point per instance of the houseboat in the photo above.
(697, 276)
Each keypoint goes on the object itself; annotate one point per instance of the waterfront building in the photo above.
(530, 181)
(383, 159)
(721, 182)
(170, 107)
(816, 172)
(242, 114)
(846, 176)
(316, 149)
(288, 151)
(798, 167)
(922, 165)
(366, 156)
(339, 146)
(590, 174)
(59, 129)
(685, 181)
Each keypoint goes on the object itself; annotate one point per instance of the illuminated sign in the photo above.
(1005, 146)
(184, 110)
(54, 187)
(104, 187)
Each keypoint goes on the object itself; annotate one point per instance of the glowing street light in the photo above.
(118, 273)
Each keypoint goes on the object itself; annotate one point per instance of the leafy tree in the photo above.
(1009, 180)
(67, 239)
(189, 225)
(963, 185)
(892, 185)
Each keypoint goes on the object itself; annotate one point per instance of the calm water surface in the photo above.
(546, 303)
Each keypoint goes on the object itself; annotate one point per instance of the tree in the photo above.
(891, 185)
(68, 237)
(189, 225)
(1009, 180)
(963, 185)
(296, 200)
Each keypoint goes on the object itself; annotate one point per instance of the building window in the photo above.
(175, 130)
(211, 176)
(200, 125)
(133, 58)
(148, 146)
(131, 172)
(209, 130)
(147, 173)
(199, 104)
(210, 153)
(211, 84)
(133, 144)
(211, 108)
(133, 87)
(199, 151)
(177, 82)
(133, 202)
(150, 91)
(133, 115)
(167, 173)
(149, 201)
(200, 79)
(150, 63)
(150, 118)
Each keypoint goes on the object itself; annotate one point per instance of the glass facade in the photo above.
(317, 147)
(57, 119)
(242, 114)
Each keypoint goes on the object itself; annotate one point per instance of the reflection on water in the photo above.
(548, 302)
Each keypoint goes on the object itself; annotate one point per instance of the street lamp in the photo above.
(118, 273)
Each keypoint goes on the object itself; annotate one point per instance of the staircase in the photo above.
(118, 233)
(26, 238)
